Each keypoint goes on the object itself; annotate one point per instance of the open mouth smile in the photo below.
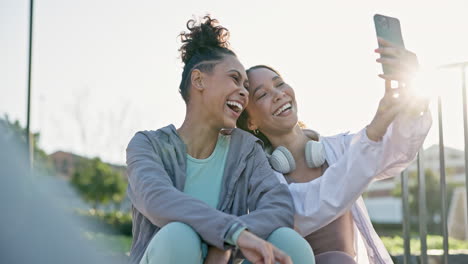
(282, 109)
(235, 106)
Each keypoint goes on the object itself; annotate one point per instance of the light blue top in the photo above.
(204, 177)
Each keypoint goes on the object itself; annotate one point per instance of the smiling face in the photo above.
(222, 92)
(272, 108)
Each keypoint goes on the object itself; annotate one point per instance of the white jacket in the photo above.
(354, 162)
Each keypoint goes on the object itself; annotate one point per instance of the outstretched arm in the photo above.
(322, 200)
(384, 149)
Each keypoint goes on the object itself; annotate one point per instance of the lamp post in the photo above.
(443, 191)
(29, 138)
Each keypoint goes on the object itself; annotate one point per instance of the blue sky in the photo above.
(103, 70)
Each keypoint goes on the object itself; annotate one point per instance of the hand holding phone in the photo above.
(397, 62)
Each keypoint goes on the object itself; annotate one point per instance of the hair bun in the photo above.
(202, 37)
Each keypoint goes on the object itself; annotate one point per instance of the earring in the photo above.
(256, 131)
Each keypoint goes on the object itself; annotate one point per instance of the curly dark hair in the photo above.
(203, 46)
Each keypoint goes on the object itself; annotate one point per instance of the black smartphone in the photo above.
(389, 29)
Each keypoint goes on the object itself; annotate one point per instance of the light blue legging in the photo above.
(178, 243)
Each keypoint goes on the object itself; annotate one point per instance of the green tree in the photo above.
(98, 183)
(42, 162)
(433, 199)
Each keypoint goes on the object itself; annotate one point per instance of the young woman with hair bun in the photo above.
(198, 195)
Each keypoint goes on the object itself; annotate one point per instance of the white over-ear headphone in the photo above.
(283, 161)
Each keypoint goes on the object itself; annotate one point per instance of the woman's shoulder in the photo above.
(337, 139)
(339, 136)
(335, 145)
(165, 134)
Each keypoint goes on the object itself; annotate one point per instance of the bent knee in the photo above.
(293, 244)
(177, 227)
(174, 243)
(285, 233)
(177, 234)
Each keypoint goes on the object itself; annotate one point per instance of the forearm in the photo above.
(402, 142)
(270, 203)
(263, 222)
(274, 210)
(162, 206)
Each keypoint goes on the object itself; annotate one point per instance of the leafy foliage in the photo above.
(15, 131)
(433, 200)
(98, 183)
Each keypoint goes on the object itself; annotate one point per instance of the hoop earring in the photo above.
(256, 131)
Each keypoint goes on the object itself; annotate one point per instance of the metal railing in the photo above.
(443, 186)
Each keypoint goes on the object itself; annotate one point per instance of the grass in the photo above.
(395, 244)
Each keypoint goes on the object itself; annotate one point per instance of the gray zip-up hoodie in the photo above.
(251, 195)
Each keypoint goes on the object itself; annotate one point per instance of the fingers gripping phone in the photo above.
(389, 29)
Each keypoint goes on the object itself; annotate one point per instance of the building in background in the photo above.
(66, 162)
